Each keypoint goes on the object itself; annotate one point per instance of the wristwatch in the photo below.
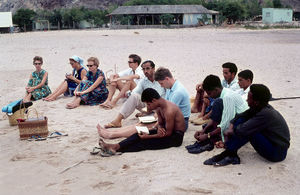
(208, 135)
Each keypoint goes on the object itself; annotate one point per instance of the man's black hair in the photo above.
(149, 94)
(136, 58)
(149, 61)
(232, 67)
(260, 93)
(246, 74)
(211, 82)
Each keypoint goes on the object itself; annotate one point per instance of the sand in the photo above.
(191, 54)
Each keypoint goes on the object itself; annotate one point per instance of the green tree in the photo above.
(24, 18)
(56, 18)
(167, 19)
(252, 8)
(268, 4)
(277, 4)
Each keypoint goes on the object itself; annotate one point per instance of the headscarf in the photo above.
(77, 59)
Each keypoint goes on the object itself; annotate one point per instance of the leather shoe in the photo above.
(199, 149)
(234, 160)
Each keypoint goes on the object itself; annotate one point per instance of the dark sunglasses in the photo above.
(89, 65)
(129, 62)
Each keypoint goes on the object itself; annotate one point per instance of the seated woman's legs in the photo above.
(75, 103)
(62, 88)
(27, 97)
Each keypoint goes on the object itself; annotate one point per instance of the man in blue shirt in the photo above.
(175, 93)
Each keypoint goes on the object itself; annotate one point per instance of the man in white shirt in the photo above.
(124, 81)
(134, 101)
(245, 78)
(229, 73)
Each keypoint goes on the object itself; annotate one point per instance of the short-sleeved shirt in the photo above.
(233, 104)
(179, 96)
(146, 83)
(234, 86)
(129, 72)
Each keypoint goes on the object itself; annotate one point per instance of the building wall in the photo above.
(276, 15)
(5, 19)
(192, 19)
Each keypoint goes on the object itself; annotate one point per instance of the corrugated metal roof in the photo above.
(162, 9)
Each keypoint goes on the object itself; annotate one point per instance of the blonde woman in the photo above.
(92, 89)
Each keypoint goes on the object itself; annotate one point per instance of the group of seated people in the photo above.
(232, 112)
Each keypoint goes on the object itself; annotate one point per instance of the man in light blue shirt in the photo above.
(176, 92)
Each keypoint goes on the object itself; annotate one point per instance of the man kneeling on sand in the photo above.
(169, 131)
(261, 125)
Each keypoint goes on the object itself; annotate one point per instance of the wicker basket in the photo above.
(36, 127)
(20, 114)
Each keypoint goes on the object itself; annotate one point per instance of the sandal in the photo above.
(111, 125)
(57, 134)
(95, 150)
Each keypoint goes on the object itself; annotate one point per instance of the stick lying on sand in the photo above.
(284, 98)
(71, 167)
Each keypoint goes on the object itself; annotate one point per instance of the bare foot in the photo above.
(71, 106)
(106, 146)
(49, 99)
(102, 132)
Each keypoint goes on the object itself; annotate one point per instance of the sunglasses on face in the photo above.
(129, 62)
(148, 68)
(37, 63)
(89, 65)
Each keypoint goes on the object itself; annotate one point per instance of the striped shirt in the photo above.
(233, 104)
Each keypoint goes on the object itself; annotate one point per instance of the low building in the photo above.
(6, 24)
(277, 15)
(151, 15)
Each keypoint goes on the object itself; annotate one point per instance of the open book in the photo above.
(147, 119)
(142, 129)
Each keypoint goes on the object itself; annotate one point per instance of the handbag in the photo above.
(19, 114)
(33, 127)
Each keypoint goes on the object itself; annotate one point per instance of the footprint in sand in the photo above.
(18, 157)
(84, 138)
(105, 184)
(194, 190)
(50, 184)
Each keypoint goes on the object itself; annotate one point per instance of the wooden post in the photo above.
(152, 20)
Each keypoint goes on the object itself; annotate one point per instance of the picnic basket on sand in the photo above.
(20, 114)
(33, 127)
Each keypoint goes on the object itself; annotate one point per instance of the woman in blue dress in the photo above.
(37, 87)
(68, 86)
(92, 89)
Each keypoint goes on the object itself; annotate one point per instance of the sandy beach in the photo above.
(191, 54)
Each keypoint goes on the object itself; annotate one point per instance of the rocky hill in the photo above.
(13, 5)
